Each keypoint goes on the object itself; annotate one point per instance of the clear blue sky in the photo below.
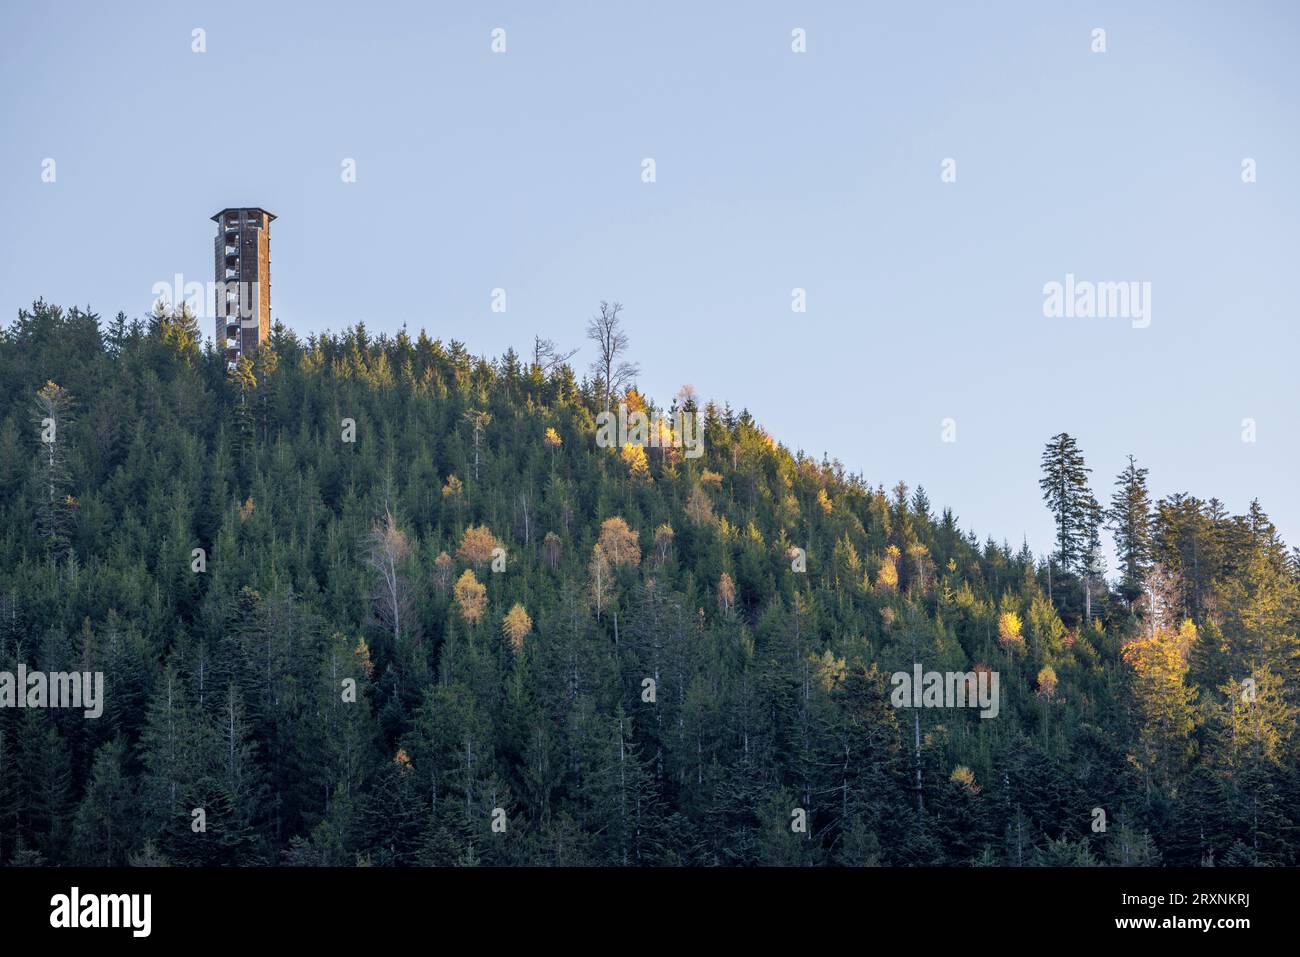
(774, 170)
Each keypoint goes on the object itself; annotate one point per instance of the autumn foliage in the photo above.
(471, 597)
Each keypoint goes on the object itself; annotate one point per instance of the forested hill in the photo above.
(646, 674)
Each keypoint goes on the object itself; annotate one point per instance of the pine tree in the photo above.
(675, 712)
(172, 760)
(46, 779)
(1129, 520)
(106, 829)
(1065, 490)
(1092, 565)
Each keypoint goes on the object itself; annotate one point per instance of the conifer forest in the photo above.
(374, 600)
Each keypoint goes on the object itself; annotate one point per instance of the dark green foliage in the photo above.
(1065, 490)
(1129, 518)
(318, 710)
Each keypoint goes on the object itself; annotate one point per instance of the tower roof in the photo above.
(229, 209)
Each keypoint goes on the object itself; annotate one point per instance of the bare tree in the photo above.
(479, 421)
(387, 550)
(51, 415)
(547, 356)
(606, 330)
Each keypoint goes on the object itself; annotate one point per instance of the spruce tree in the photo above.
(1129, 519)
(1065, 490)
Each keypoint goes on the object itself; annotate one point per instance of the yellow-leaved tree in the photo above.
(887, 574)
(1165, 703)
(726, 593)
(1047, 694)
(634, 457)
(1009, 626)
(619, 543)
(516, 625)
(471, 597)
(476, 546)
(553, 442)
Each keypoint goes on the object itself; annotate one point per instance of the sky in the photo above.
(774, 170)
